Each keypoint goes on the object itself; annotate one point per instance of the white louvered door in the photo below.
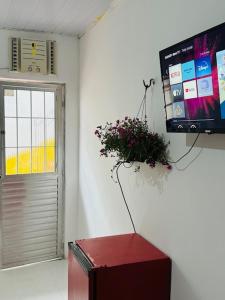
(32, 173)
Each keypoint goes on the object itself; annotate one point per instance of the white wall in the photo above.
(181, 212)
(67, 72)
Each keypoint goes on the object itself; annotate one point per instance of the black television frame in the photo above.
(191, 130)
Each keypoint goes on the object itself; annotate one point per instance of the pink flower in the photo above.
(169, 167)
(122, 132)
(152, 164)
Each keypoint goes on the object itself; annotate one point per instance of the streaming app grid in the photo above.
(189, 81)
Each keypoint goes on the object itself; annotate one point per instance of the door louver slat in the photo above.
(29, 220)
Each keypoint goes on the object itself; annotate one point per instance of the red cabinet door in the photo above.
(78, 281)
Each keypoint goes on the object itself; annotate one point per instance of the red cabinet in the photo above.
(123, 267)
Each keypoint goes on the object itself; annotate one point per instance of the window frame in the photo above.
(58, 89)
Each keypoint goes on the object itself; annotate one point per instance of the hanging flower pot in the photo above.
(130, 140)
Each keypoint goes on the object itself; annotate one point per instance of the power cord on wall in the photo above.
(184, 155)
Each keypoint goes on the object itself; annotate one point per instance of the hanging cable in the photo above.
(184, 155)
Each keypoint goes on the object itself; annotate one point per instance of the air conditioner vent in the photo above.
(15, 55)
(51, 48)
(32, 56)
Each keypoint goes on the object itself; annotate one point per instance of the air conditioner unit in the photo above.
(32, 56)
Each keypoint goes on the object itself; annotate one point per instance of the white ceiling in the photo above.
(71, 17)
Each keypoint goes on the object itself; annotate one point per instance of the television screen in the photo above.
(193, 75)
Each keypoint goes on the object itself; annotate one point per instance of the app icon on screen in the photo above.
(203, 66)
(178, 110)
(205, 87)
(167, 91)
(188, 70)
(177, 92)
(169, 112)
(222, 108)
(220, 57)
(190, 89)
(175, 74)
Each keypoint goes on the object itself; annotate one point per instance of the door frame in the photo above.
(59, 89)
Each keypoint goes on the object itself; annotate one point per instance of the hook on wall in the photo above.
(151, 82)
(142, 108)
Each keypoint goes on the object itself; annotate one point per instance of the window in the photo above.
(29, 117)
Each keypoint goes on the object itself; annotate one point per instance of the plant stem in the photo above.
(121, 189)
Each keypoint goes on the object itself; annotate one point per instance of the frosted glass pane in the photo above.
(23, 103)
(10, 103)
(24, 160)
(38, 158)
(24, 132)
(37, 104)
(50, 105)
(50, 132)
(11, 161)
(38, 132)
(50, 159)
(10, 132)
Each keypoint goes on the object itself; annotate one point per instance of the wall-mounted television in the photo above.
(193, 75)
